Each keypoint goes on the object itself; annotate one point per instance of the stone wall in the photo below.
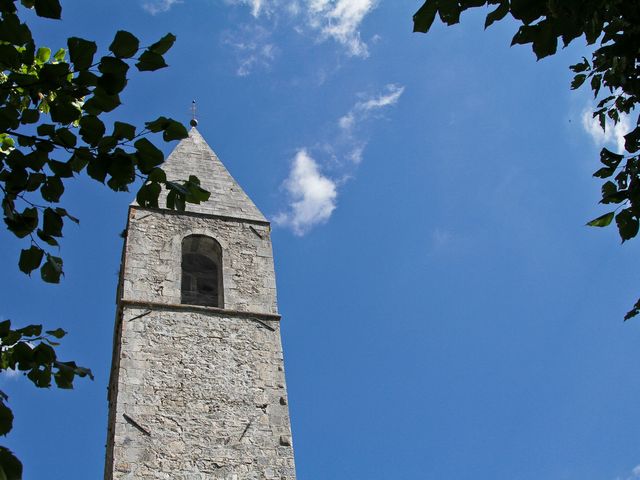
(200, 395)
(197, 392)
(153, 254)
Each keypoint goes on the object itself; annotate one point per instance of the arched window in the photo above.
(202, 271)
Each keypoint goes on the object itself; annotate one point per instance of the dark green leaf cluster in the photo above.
(52, 129)
(614, 68)
(30, 351)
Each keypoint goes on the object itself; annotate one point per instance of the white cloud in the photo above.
(159, 6)
(312, 195)
(391, 97)
(365, 108)
(349, 124)
(634, 475)
(338, 20)
(613, 134)
(257, 6)
(255, 52)
(341, 20)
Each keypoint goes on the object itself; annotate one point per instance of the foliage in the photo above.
(613, 27)
(19, 352)
(52, 129)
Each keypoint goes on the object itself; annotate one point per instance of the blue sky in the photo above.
(446, 313)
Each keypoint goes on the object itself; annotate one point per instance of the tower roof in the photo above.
(193, 156)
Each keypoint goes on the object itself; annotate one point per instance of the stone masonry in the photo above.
(198, 393)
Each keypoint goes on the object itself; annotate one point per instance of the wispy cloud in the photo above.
(613, 134)
(363, 110)
(340, 20)
(159, 6)
(337, 20)
(252, 51)
(256, 6)
(312, 195)
(634, 475)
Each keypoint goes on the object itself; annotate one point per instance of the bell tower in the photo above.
(197, 388)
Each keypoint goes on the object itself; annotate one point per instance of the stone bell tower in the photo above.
(197, 387)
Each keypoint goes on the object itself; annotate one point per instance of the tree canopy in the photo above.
(52, 130)
(612, 27)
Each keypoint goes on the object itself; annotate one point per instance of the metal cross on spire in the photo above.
(194, 120)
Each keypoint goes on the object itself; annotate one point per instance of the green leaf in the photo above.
(52, 223)
(424, 17)
(6, 143)
(47, 238)
(61, 169)
(101, 101)
(604, 172)
(157, 125)
(150, 61)
(63, 213)
(578, 80)
(97, 167)
(54, 75)
(163, 45)
(596, 83)
(124, 45)
(63, 111)
(57, 333)
(545, 41)
(52, 269)
(497, 15)
(29, 116)
(91, 129)
(602, 221)
(157, 175)
(10, 56)
(35, 180)
(581, 67)
(59, 55)
(53, 189)
(81, 52)
(123, 130)
(174, 131)
(66, 138)
(43, 55)
(176, 187)
(81, 157)
(10, 466)
(114, 75)
(148, 195)
(22, 224)
(627, 225)
(86, 79)
(527, 10)
(632, 140)
(122, 171)
(12, 31)
(148, 155)
(30, 259)
(449, 11)
(633, 312)
(46, 129)
(6, 419)
(48, 8)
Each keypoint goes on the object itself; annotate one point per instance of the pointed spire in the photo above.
(193, 156)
